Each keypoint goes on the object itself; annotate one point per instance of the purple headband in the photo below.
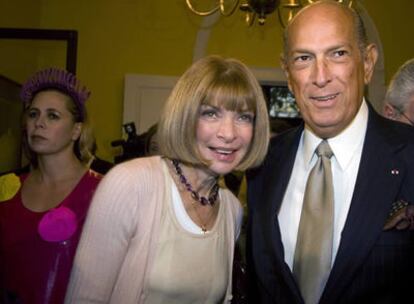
(58, 79)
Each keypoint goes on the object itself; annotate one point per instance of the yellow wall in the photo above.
(117, 37)
(16, 61)
(395, 24)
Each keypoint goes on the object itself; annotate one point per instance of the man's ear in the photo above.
(388, 111)
(370, 58)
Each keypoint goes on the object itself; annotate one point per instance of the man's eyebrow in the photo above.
(340, 46)
(302, 50)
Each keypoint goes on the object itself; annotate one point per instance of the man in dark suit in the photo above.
(328, 62)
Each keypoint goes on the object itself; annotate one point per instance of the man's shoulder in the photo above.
(285, 139)
(405, 131)
(280, 146)
(395, 132)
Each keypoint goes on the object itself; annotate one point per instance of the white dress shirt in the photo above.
(347, 149)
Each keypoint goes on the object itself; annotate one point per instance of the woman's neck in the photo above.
(51, 169)
(201, 178)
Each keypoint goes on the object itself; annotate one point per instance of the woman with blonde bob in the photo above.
(161, 229)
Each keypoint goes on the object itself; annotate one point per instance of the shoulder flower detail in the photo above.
(9, 186)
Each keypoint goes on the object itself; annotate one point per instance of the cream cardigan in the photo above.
(117, 246)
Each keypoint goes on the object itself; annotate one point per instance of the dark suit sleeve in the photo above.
(253, 185)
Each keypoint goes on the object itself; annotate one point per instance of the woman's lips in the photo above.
(37, 138)
(227, 155)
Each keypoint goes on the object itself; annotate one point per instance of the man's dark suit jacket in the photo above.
(372, 265)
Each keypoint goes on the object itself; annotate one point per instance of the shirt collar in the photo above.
(345, 144)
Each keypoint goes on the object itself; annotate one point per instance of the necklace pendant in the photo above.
(209, 200)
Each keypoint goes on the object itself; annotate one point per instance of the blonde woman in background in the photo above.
(41, 216)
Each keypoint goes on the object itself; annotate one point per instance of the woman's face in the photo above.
(50, 126)
(224, 137)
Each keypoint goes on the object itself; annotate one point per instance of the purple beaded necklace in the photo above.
(213, 195)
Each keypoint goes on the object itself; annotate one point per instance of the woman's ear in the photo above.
(77, 130)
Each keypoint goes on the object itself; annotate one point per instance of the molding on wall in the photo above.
(144, 97)
(203, 35)
(269, 75)
(69, 36)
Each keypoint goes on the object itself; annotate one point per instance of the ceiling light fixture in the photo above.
(255, 9)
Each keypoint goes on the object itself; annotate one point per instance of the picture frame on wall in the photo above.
(10, 125)
(281, 102)
(51, 44)
(282, 108)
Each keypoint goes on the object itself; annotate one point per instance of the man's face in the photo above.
(325, 68)
(407, 115)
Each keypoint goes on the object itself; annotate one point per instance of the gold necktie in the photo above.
(313, 254)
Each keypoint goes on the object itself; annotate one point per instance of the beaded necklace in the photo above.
(212, 196)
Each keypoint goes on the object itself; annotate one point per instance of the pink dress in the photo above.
(37, 248)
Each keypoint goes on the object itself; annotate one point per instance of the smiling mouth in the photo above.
(223, 151)
(325, 97)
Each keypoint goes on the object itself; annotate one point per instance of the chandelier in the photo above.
(254, 9)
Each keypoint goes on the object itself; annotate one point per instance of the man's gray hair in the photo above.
(401, 87)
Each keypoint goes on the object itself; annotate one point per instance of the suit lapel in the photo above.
(374, 191)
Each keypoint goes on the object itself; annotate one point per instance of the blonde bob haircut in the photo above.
(214, 81)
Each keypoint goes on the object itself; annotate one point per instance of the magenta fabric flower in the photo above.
(58, 225)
